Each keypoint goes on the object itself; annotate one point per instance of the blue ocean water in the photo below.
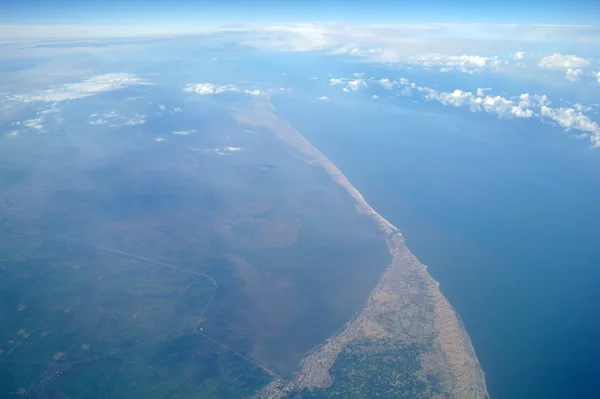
(504, 213)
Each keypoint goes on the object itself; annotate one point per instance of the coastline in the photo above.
(405, 290)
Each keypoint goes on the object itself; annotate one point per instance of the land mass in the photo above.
(405, 316)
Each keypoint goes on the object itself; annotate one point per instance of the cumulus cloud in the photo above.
(162, 107)
(386, 83)
(354, 85)
(111, 114)
(183, 132)
(574, 74)
(520, 55)
(336, 81)
(209, 88)
(581, 108)
(481, 91)
(138, 119)
(464, 63)
(375, 97)
(571, 119)
(255, 92)
(35, 123)
(406, 92)
(232, 149)
(560, 61)
(525, 106)
(501, 106)
(45, 111)
(72, 91)
(571, 64)
(598, 77)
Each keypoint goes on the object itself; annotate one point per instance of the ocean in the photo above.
(504, 213)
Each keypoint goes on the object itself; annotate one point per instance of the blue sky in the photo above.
(235, 11)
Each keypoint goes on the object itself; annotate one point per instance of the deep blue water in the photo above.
(506, 216)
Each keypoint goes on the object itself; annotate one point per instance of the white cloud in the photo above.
(354, 85)
(162, 107)
(160, 139)
(285, 89)
(387, 84)
(177, 109)
(14, 133)
(375, 97)
(183, 132)
(464, 63)
(335, 81)
(572, 119)
(209, 88)
(358, 74)
(138, 119)
(35, 123)
(232, 149)
(98, 122)
(46, 111)
(574, 74)
(71, 91)
(314, 78)
(406, 92)
(581, 108)
(526, 106)
(519, 55)
(323, 98)
(559, 61)
(481, 91)
(111, 114)
(598, 77)
(400, 42)
(501, 106)
(356, 51)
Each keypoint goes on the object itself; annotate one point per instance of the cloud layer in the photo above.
(72, 91)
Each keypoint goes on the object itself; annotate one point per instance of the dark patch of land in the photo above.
(130, 268)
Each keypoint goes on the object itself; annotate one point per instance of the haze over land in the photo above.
(245, 209)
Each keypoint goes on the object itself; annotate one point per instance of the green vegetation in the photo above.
(89, 323)
(375, 369)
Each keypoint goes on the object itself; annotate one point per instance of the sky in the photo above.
(133, 12)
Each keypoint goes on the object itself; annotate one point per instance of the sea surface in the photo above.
(506, 216)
